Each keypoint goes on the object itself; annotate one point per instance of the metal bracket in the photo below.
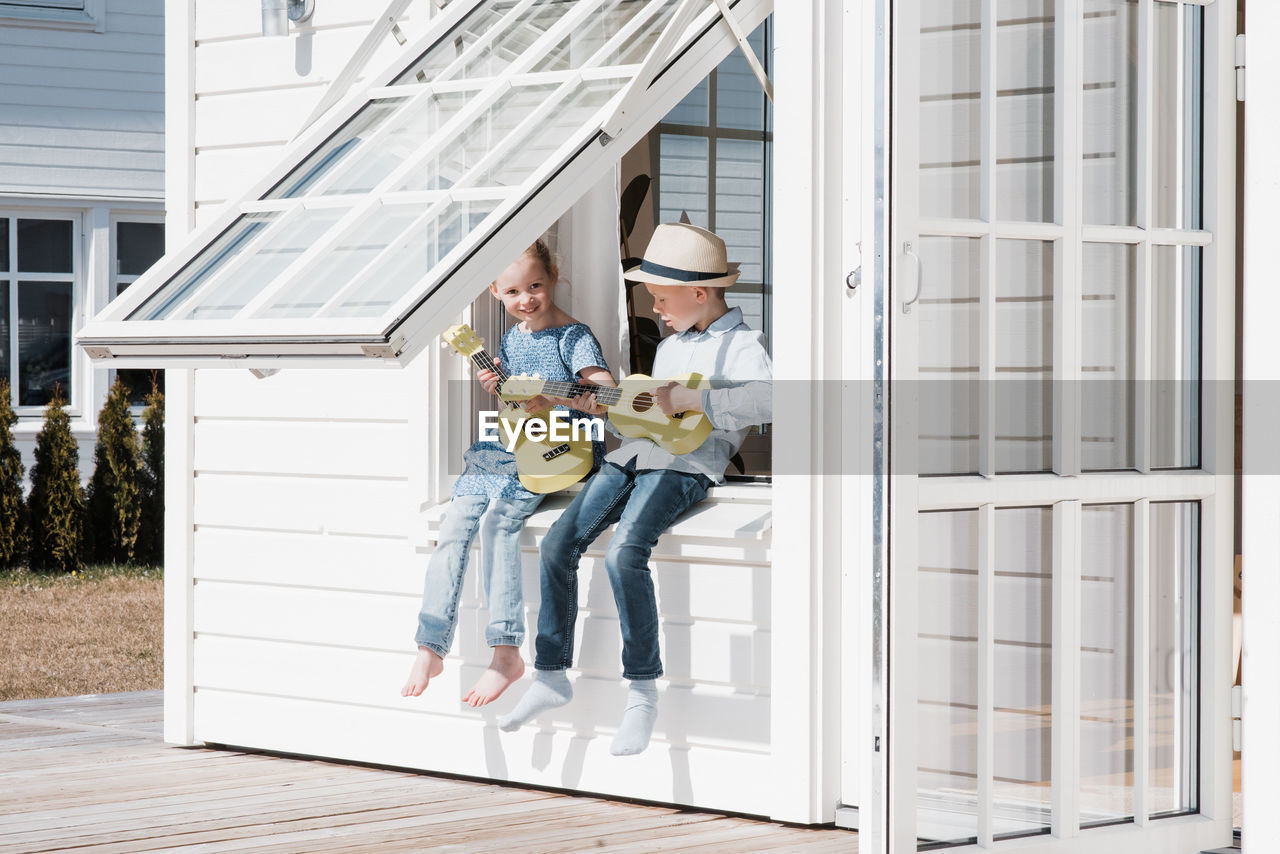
(1240, 67)
(384, 24)
(99, 353)
(390, 350)
(612, 126)
(745, 46)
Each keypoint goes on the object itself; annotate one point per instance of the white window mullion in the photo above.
(987, 274)
(1068, 160)
(13, 309)
(1141, 661)
(1144, 401)
(986, 673)
(1065, 750)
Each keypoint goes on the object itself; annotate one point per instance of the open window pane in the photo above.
(1175, 666)
(947, 667)
(1024, 356)
(1107, 361)
(1110, 112)
(495, 124)
(949, 355)
(1106, 664)
(950, 111)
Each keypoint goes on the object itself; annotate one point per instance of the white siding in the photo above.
(253, 93)
(84, 111)
(310, 543)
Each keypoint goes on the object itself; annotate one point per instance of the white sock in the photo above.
(638, 719)
(549, 690)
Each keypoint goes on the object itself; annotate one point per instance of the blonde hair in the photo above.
(542, 253)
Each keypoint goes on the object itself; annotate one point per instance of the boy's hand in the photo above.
(586, 402)
(489, 379)
(674, 398)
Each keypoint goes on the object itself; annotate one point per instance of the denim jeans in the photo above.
(500, 570)
(644, 504)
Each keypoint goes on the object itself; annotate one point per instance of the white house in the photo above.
(81, 191)
(979, 593)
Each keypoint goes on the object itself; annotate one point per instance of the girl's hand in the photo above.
(489, 379)
(586, 402)
(537, 404)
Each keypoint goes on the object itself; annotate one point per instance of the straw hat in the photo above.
(682, 254)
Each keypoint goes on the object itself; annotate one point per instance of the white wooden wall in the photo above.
(84, 111)
(292, 626)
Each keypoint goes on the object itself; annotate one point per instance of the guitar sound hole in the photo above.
(642, 402)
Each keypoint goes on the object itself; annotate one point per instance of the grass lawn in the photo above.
(94, 632)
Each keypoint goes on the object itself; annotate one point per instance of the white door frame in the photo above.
(1067, 490)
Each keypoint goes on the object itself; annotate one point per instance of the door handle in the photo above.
(910, 252)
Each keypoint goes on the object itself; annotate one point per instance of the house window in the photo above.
(713, 155)
(58, 14)
(712, 161)
(37, 275)
(135, 247)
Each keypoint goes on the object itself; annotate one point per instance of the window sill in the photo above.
(51, 19)
(735, 512)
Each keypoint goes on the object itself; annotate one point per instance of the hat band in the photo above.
(678, 274)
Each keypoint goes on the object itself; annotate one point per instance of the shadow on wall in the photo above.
(716, 654)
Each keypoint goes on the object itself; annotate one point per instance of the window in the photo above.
(373, 230)
(37, 274)
(59, 14)
(712, 157)
(135, 247)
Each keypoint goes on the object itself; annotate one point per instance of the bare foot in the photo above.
(426, 667)
(505, 668)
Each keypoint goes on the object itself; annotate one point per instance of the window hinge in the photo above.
(1240, 67)
(390, 350)
(1237, 703)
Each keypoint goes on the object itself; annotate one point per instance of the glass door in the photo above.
(1058, 523)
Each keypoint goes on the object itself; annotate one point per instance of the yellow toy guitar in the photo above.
(632, 407)
(543, 465)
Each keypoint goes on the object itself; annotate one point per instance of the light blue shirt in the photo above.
(731, 357)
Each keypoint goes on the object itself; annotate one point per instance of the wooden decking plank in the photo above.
(379, 831)
(299, 834)
(472, 834)
(168, 789)
(554, 838)
(197, 797)
(286, 805)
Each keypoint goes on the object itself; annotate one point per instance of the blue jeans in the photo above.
(500, 570)
(644, 504)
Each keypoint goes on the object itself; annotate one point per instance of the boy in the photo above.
(642, 487)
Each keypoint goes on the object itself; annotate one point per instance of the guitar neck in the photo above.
(605, 395)
(484, 362)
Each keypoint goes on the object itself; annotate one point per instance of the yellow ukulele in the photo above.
(543, 465)
(632, 407)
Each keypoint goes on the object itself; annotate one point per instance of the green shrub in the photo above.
(151, 532)
(115, 491)
(57, 504)
(14, 534)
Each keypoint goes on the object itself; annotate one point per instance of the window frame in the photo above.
(91, 17)
(77, 279)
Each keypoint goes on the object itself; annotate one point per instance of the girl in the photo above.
(552, 344)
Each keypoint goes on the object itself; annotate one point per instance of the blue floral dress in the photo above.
(555, 354)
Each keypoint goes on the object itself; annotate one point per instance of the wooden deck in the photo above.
(91, 774)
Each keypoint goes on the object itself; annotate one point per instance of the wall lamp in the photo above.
(276, 15)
